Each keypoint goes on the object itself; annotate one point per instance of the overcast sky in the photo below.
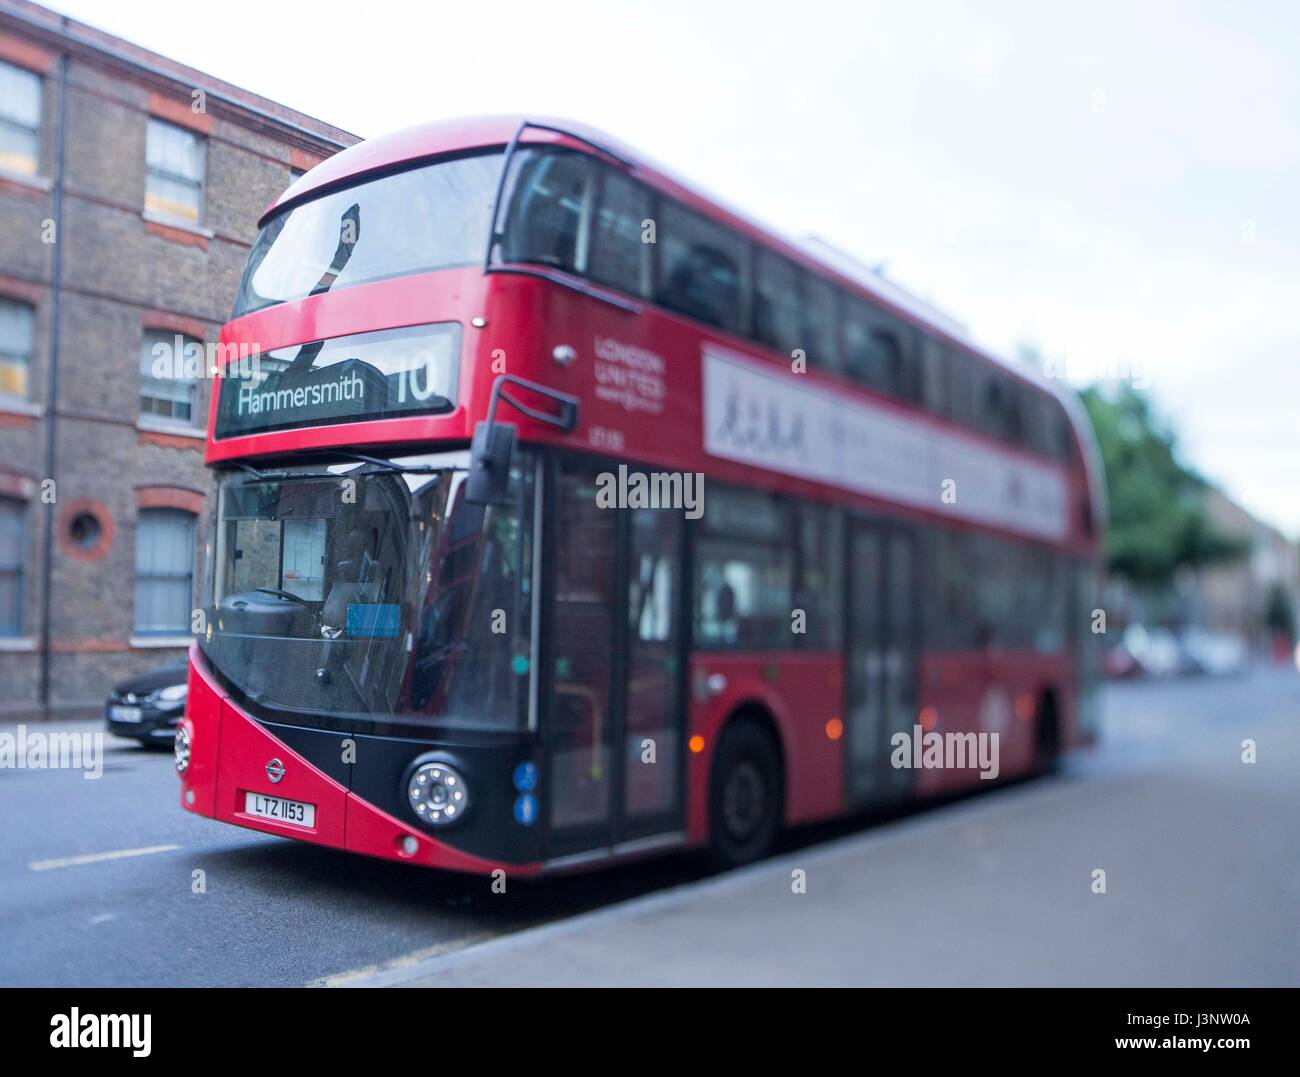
(1118, 185)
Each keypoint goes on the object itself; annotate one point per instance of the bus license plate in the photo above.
(279, 809)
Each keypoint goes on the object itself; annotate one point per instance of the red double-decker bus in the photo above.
(563, 515)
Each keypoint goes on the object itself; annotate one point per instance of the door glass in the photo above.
(866, 623)
(582, 642)
(900, 654)
(651, 740)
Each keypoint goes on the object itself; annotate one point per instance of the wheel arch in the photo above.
(757, 712)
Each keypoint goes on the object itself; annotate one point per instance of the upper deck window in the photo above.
(878, 350)
(550, 209)
(620, 253)
(778, 306)
(431, 217)
(703, 269)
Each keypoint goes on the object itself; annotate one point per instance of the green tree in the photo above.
(1158, 522)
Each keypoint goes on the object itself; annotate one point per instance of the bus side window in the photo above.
(820, 333)
(821, 583)
(550, 209)
(997, 592)
(744, 572)
(957, 589)
(961, 407)
(934, 376)
(880, 350)
(703, 269)
(778, 319)
(620, 256)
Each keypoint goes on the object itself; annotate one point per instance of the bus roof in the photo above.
(440, 137)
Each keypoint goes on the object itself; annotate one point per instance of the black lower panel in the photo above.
(381, 764)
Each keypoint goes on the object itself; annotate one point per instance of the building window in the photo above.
(20, 120)
(164, 571)
(164, 392)
(12, 516)
(16, 321)
(174, 186)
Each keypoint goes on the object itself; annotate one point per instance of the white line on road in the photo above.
(343, 979)
(95, 858)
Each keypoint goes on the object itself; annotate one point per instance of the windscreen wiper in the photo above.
(377, 466)
(378, 463)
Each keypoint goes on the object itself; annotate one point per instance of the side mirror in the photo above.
(490, 452)
(493, 443)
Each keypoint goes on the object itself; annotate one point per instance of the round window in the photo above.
(84, 530)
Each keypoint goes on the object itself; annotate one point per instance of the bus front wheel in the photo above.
(745, 794)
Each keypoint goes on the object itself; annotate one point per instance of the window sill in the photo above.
(177, 224)
(17, 645)
(157, 643)
(162, 426)
(16, 405)
(23, 179)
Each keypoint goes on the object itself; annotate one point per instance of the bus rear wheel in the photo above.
(745, 795)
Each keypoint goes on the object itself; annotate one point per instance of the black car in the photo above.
(147, 707)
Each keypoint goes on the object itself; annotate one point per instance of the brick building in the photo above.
(130, 187)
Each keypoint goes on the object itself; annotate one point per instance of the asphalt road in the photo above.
(276, 912)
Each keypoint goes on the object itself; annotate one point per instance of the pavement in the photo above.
(1200, 850)
(107, 882)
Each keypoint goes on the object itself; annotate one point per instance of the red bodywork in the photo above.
(524, 319)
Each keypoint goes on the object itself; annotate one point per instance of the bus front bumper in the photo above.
(238, 772)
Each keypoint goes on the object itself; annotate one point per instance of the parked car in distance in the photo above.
(1216, 654)
(148, 706)
(1156, 650)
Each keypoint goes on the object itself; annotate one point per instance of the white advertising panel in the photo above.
(767, 418)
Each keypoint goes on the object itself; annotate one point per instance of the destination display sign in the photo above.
(366, 376)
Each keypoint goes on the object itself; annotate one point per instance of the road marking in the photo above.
(398, 965)
(95, 858)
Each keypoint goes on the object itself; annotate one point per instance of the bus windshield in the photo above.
(372, 596)
(431, 217)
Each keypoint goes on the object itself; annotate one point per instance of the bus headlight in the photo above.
(182, 749)
(438, 793)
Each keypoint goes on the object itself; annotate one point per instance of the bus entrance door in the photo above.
(881, 656)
